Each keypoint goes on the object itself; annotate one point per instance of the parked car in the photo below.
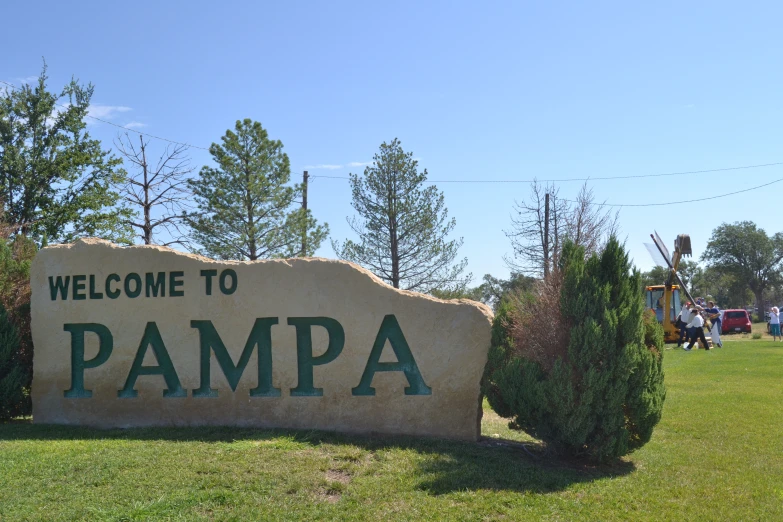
(735, 321)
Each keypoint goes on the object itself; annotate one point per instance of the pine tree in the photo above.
(55, 181)
(245, 205)
(13, 399)
(403, 226)
(604, 396)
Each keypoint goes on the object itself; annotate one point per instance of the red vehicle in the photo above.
(735, 321)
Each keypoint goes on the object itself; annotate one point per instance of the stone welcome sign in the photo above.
(146, 336)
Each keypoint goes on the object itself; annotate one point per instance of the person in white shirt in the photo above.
(697, 329)
(774, 323)
(685, 318)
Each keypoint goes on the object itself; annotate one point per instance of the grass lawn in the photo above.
(716, 455)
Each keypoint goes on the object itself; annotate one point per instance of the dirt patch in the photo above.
(330, 496)
(335, 475)
(337, 482)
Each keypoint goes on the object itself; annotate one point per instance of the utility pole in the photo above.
(304, 208)
(556, 248)
(546, 235)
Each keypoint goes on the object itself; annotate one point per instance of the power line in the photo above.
(726, 169)
(687, 200)
(149, 135)
(618, 205)
(121, 127)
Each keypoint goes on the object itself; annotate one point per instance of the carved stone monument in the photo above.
(147, 336)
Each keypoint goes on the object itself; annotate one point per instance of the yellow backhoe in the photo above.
(664, 299)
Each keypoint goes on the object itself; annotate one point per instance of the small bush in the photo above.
(15, 259)
(756, 335)
(13, 377)
(594, 386)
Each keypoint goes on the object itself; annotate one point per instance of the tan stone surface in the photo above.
(448, 339)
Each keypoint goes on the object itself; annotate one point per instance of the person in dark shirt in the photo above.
(714, 313)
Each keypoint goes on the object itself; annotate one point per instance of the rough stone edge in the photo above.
(89, 241)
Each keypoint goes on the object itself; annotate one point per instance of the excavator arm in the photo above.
(682, 247)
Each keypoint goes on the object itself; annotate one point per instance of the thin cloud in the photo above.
(359, 163)
(323, 167)
(27, 80)
(134, 125)
(106, 112)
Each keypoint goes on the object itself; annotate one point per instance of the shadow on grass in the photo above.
(442, 466)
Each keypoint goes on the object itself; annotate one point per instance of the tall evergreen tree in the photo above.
(403, 226)
(55, 181)
(603, 392)
(245, 204)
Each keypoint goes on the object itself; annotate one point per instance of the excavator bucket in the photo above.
(683, 245)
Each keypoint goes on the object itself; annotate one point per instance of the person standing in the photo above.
(715, 314)
(685, 318)
(774, 323)
(697, 330)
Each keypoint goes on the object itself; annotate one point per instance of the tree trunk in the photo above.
(147, 229)
(252, 246)
(760, 305)
(395, 252)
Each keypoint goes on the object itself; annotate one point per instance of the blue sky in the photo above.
(490, 90)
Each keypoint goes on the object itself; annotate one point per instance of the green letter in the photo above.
(225, 289)
(154, 286)
(132, 277)
(260, 335)
(209, 274)
(165, 368)
(175, 283)
(304, 351)
(78, 364)
(79, 286)
(93, 293)
(59, 286)
(390, 329)
(113, 294)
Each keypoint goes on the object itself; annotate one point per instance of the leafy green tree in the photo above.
(691, 274)
(493, 290)
(246, 205)
(725, 288)
(748, 254)
(56, 182)
(657, 275)
(402, 226)
(474, 293)
(600, 394)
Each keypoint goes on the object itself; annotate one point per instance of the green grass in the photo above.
(716, 455)
(756, 328)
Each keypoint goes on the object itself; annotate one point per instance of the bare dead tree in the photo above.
(588, 223)
(536, 246)
(159, 194)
